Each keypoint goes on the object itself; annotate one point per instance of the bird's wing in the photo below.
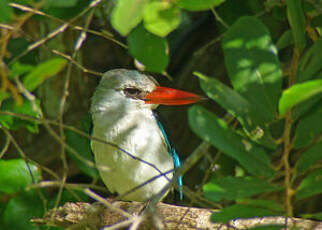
(173, 153)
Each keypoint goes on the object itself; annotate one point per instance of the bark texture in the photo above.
(166, 216)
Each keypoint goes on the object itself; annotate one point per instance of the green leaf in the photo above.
(313, 216)
(306, 107)
(268, 204)
(285, 40)
(63, 9)
(20, 210)
(2, 206)
(308, 128)
(19, 69)
(254, 6)
(310, 186)
(149, 49)
(22, 2)
(268, 227)
(309, 157)
(60, 3)
(127, 14)
(317, 21)
(310, 65)
(239, 107)
(252, 64)
(82, 146)
(160, 18)
(18, 45)
(296, 19)
(15, 175)
(309, 8)
(43, 71)
(14, 123)
(214, 130)
(6, 12)
(278, 11)
(198, 5)
(3, 96)
(229, 99)
(298, 93)
(240, 211)
(234, 188)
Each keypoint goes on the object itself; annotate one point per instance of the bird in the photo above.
(132, 152)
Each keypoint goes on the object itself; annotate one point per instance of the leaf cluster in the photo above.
(272, 52)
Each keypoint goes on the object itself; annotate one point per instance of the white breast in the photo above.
(138, 133)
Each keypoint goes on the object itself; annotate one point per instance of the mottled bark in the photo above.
(96, 216)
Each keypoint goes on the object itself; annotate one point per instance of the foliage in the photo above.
(272, 52)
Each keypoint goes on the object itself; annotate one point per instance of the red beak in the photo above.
(169, 96)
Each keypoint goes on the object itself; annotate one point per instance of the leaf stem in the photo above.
(288, 144)
(287, 180)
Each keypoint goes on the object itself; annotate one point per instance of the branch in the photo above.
(96, 216)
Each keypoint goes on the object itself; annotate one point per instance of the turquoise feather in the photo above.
(173, 153)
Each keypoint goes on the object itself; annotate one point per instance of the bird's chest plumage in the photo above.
(138, 134)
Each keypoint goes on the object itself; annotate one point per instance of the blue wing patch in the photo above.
(173, 153)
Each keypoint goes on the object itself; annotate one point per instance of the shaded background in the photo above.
(194, 46)
(188, 51)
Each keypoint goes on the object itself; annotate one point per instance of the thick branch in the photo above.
(96, 216)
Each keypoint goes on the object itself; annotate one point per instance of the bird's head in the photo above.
(131, 89)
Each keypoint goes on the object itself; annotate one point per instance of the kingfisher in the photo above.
(139, 161)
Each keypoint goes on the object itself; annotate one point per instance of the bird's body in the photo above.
(122, 116)
(137, 133)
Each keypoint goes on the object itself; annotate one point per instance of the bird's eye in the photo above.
(132, 92)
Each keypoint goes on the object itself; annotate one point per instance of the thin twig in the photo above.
(119, 225)
(69, 58)
(144, 183)
(8, 27)
(105, 202)
(80, 187)
(3, 51)
(47, 123)
(190, 161)
(56, 32)
(106, 34)
(137, 220)
(199, 152)
(63, 100)
(218, 18)
(27, 161)
(288, 144)
(6, 145)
